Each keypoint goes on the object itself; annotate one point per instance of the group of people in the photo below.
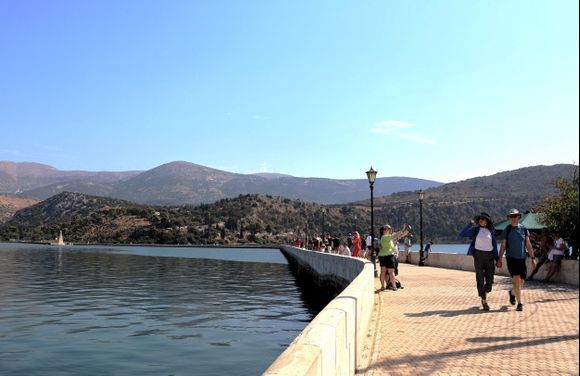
(516, 244)
(353, 245)
(386, 247)
(551, 250)
(487, 251)
(389, 255)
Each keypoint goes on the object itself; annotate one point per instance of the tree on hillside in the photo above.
(561, 212)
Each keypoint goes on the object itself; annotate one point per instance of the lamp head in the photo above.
(421, 195)
(372, 175)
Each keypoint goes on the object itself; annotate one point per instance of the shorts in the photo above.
(387, 261)
(558, 259)
(517, 267)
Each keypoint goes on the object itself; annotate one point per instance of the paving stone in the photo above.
(436, 326)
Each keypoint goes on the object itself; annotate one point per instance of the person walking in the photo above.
(387, 259)
(390, 282)
(515, 242)
(356, 243)
(483, 248)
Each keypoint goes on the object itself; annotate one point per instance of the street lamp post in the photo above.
(421, 195)
(323, 213)
(306, 237)
(372, 175)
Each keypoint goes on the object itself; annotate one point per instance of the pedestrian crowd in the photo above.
(516, 242)
(352, 245)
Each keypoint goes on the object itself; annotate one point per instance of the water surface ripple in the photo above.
(88, 311)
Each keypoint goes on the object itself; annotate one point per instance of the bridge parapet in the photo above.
(331, 343)
(568, 273)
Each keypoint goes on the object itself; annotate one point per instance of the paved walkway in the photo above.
(435, 326)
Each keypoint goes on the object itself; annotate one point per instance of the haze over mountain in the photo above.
(184, 183)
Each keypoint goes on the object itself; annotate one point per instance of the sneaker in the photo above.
(520, 307)
(512, 298)
(485, 306)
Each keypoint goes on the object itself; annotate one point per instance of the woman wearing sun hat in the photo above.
(483, 248)
(515, 242)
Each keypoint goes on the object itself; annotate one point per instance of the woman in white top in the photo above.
(555, 255)
(483, 248)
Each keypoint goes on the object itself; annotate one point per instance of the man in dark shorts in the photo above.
(515, 242)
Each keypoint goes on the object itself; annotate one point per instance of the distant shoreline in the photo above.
(147, 245)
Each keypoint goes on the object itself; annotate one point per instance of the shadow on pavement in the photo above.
(430, 360)
(492, 339)
(447, 313)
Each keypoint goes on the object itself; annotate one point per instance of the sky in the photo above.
(440, 90)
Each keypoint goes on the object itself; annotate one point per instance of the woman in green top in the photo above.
(386, 253)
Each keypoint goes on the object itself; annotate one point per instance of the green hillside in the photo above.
(247, 218)
(267, 219)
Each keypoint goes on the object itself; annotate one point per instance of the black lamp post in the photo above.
(372, 175)
(421, 195)
(306, 237)
(323, 213)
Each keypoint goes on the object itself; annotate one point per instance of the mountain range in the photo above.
(271, 219)
(184, 183)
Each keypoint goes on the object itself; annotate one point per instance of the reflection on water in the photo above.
(93, 312)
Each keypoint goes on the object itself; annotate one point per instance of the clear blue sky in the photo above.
(441, 90)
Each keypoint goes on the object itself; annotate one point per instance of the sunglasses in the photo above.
(513, 216)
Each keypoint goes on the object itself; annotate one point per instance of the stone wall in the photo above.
(568, 272)
(330, 344)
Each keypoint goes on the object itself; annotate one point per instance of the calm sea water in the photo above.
(145, 310)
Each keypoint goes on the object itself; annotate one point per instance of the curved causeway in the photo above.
(434, 325)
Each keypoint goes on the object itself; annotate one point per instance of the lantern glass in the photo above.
(371, 175)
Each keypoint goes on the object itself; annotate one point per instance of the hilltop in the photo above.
(184, 183)
(273, 219)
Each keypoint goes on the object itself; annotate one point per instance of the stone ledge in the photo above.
(334, 336)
